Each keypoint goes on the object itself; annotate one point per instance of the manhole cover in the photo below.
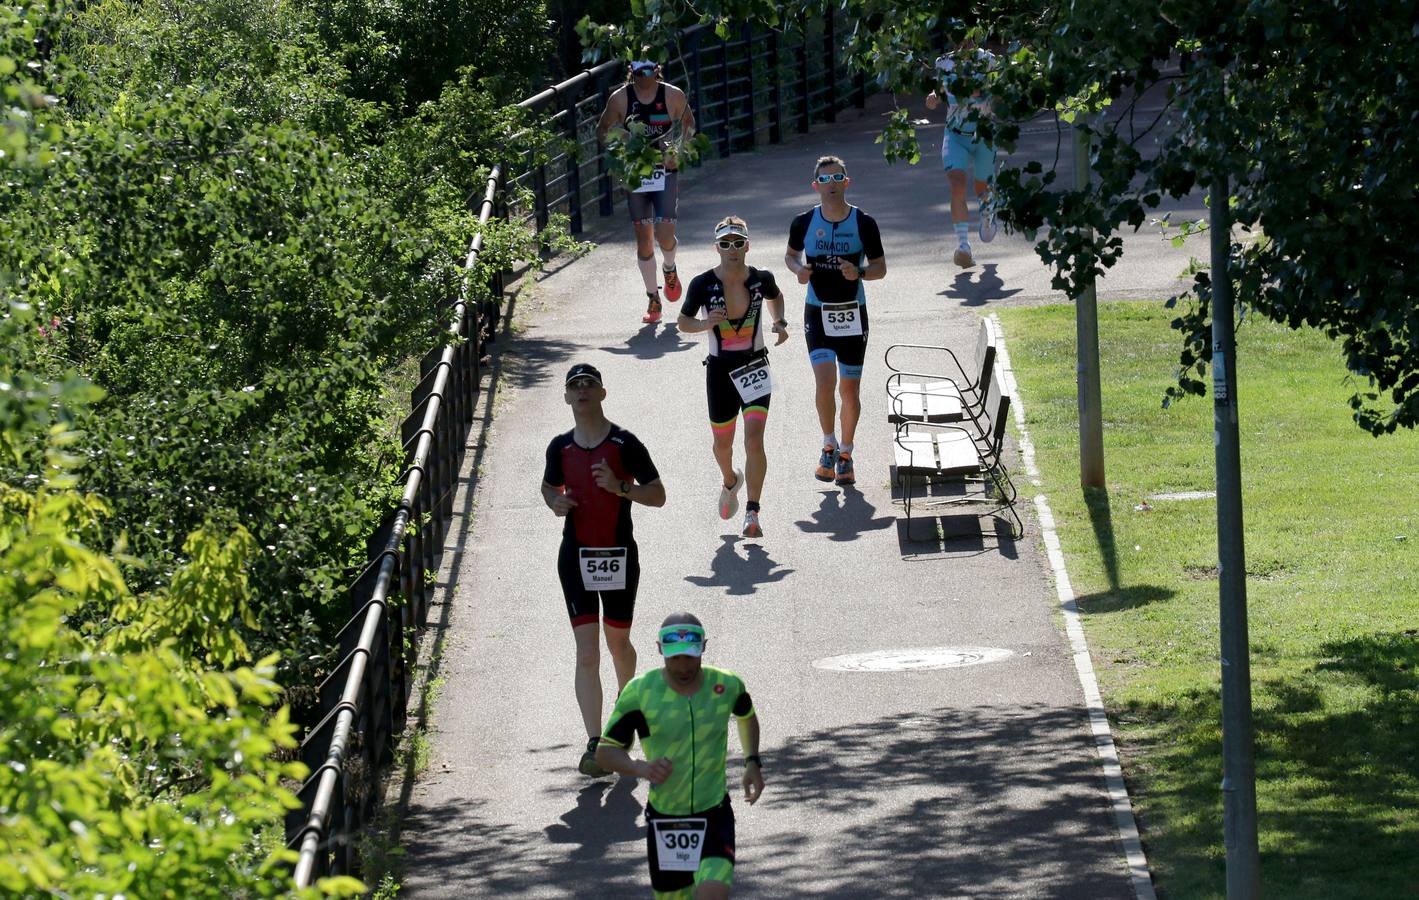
(914, 660)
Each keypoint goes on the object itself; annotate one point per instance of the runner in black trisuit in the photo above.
(664, 112)
(735, 299)
(593, 474)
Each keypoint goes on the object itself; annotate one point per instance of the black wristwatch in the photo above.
(625, 488)
(753, 758)
(783, 322)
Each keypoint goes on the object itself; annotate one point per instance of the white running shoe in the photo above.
(988, 227)
(963, 257)
(729, 497)
(751, 524)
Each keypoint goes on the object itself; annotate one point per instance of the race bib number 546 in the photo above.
(603, 568)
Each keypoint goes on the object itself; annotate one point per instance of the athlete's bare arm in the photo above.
(614, 114)
(749, 740)
(776, 315)
(876, 268)
(680, 110)
(557, 500)
(794, 260)
(609, 756)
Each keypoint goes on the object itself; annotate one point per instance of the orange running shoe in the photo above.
(672, 284)
(824, 471)
(652, 310)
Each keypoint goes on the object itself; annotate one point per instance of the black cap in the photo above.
(583, 370)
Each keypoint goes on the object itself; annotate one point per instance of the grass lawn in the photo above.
(1332, 552)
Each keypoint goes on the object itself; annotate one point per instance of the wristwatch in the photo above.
(753, 758)
(781, 322)
(625, 489)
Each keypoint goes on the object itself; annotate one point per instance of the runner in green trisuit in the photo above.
(681, 713)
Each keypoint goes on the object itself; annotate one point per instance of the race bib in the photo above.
(603, 568)
(655, 182)
(842, 319)
(753, 381)
(679, 843)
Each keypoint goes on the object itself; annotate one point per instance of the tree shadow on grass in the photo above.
(1116, 597)
(1337, 762)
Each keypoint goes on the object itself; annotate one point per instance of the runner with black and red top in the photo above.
(593, 474)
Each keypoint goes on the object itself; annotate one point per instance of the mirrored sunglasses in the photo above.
(671, 638)
(736, 244)
(835, 176)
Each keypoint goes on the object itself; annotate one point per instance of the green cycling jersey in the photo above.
(692, 732)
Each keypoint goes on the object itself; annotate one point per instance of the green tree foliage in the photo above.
(1309, 108)
(140, 758)
(239, 250)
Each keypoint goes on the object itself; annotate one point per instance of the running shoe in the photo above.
(672, 284)
(652, 310)
(825, 465)
(729, 497)
(843, 470)
(588, 765)
(751, 524)
(988, 227)
(963, 257)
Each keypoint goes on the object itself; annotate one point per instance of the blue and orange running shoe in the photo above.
(825, 465)
(843, 470)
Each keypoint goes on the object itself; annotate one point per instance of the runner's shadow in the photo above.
(977, 293)
(606, 813)
(844, 515)
(739, 575)
(652, 342)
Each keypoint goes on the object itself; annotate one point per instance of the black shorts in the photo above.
(616, 607)
(719, 845)
(656, 207)
(725, 404)
(848, 351)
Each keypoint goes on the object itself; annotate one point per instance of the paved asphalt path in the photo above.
(978, 781)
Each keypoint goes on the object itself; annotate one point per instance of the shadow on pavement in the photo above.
(536, 363)
(843, 515)
(740, 575)
(963, 534)
(652, 342)
(977, 293)
(974, 802)
(606, 813)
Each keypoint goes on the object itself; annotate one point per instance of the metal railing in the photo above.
(746, 91)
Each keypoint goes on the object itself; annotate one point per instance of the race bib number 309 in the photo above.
(603, 568)
(679, 843)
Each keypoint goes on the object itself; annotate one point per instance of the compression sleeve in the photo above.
(798, 231)
(552, 471)
(637, 460)
(870, 235)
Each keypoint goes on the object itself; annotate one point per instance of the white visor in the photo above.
(732, 228)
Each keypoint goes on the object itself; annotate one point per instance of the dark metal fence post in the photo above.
(574, 223)
(830, 54)
(603, 174)
(697, 80)
(775, 92)
(805, 108)
(748, 33)
(724, 147)
(860, 89)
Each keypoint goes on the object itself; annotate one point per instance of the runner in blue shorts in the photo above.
(827, 247)
(965, 156)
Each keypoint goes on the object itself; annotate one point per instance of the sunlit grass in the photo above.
(1332, 554)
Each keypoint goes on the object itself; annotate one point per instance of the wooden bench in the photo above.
(963, 454)
(942, 396)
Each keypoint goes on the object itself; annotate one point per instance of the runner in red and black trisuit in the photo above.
(593, 474)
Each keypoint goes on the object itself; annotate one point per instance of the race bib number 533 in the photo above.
(603, 568)
(842, 319)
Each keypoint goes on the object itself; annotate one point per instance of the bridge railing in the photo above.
(747, 90)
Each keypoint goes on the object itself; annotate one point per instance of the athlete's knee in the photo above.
(711, 890)
(665, 235)
(956, 178)
(588, 657)
(723, 433)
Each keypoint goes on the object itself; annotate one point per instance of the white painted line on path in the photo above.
(1078, 645)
